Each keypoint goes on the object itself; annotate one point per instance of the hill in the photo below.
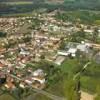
(82, 4)
(23, 6)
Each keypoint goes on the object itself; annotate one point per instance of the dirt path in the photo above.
(86, 96)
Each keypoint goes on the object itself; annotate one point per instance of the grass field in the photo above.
(68, 64)
(89, 84)
(18, 3)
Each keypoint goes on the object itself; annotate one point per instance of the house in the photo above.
(1, 65)
(39, 79)
(22, 85)
(37, 85)
(2, 50)
(59, 60)
(23, 52)
(39, 76)
(84, 47)
(99, 32)
(38, 72)
(72, 51)
(97, 58)
(90, 31)
(9, 85)
(63, 53)
(28, 81)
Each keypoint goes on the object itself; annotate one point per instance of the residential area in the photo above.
(40, 51)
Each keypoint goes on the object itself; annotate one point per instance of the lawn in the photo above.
(89, 84)
(68, 65)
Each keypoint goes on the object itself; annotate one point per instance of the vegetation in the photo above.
(2, 34)
(6, 96)
(87, 17)
(78, 36)
(71, 90)
(68, 65)
(60, 78)
(91, 75)
(68, 5)
(82, 4)
(98, 93)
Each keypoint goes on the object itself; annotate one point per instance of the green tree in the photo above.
(71, 89)
(3, 34)
(98, 93)
(62, 45)
(95, 35)
(78, 36)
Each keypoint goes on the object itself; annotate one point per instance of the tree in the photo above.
(98, 93)
(38, 1)
(42, 56)
(95, 35)
(62, 45)
(3, 34)
(27, 39)
(71, 89)
(78, 36)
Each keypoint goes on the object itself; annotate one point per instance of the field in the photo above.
(18, 3)
(68, 65)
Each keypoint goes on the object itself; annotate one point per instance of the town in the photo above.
(31, 46)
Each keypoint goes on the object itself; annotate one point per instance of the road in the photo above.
(53, 97)
(84, 67)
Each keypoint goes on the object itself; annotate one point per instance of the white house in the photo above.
(38, 72)
(63, 53)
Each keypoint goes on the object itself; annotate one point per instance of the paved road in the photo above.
(84, 67)
(53, 97)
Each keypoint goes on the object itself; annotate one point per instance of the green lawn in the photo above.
(89, 83)
(68, 65)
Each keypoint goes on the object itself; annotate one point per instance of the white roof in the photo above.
(73, 55)
(38, 72)
(72, 50)
(63, 53)
(99, 30)
(82, 47)
(28, 81)
(89, 31)
(21, 85)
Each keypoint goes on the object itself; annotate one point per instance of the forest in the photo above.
(68, 5)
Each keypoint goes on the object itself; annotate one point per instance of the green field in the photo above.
(68, 65)
(89, 84)
(18, 3)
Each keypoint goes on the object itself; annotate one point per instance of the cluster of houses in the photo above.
(13, 60)
(43, 43)
(72, 48)
(12, 74)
